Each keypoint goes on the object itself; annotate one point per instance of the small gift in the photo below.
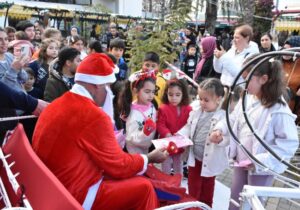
(173, 144)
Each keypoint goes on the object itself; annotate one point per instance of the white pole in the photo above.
(174, 68)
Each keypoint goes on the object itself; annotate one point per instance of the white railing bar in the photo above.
(186, 205)
(4, 195)
(11, 177)
(273, 191)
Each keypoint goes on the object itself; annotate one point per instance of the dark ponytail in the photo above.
(67, 53)
(125, 100)
(273, 90)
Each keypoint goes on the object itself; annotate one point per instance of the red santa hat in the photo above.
(96, 68)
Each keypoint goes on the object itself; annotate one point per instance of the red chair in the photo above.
(43, 190)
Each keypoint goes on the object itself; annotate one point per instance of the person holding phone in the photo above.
(205, 68)
(11, 72)
(229, 63)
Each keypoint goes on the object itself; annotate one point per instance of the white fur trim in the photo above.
(93, 79)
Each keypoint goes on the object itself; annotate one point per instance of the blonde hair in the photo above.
(245, 30)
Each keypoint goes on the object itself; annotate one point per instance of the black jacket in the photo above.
(56, 85)
(208, 70)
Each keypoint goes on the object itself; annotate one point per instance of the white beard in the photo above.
(108, 107)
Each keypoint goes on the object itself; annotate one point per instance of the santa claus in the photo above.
(75, 139)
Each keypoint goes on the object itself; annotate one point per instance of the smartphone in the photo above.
(218, 44)
(25, 50)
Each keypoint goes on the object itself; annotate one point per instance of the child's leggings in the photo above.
(242, 177)
(173, 161)
(200, 187)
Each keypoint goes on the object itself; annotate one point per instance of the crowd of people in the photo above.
(100, 154)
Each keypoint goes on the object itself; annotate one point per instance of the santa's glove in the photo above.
(149, 126)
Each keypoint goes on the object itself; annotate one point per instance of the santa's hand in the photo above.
(149, 126)
(157, 156)
(216, 136)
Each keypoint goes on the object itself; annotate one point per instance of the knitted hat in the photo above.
(294, 41)
(96, 68)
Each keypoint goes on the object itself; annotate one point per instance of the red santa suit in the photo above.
(76, 141)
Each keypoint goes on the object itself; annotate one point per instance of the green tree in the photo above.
(161, 38)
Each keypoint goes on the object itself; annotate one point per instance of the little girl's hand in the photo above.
(216, 136)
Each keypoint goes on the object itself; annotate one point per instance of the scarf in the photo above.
(208, 47)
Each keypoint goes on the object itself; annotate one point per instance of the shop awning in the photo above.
(287, 25)
(17, 12)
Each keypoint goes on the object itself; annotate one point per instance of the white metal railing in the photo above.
(186, 205)
(3, 119)
(250, 196)
(14, 183)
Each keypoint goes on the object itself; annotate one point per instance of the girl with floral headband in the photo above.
(141, 113)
